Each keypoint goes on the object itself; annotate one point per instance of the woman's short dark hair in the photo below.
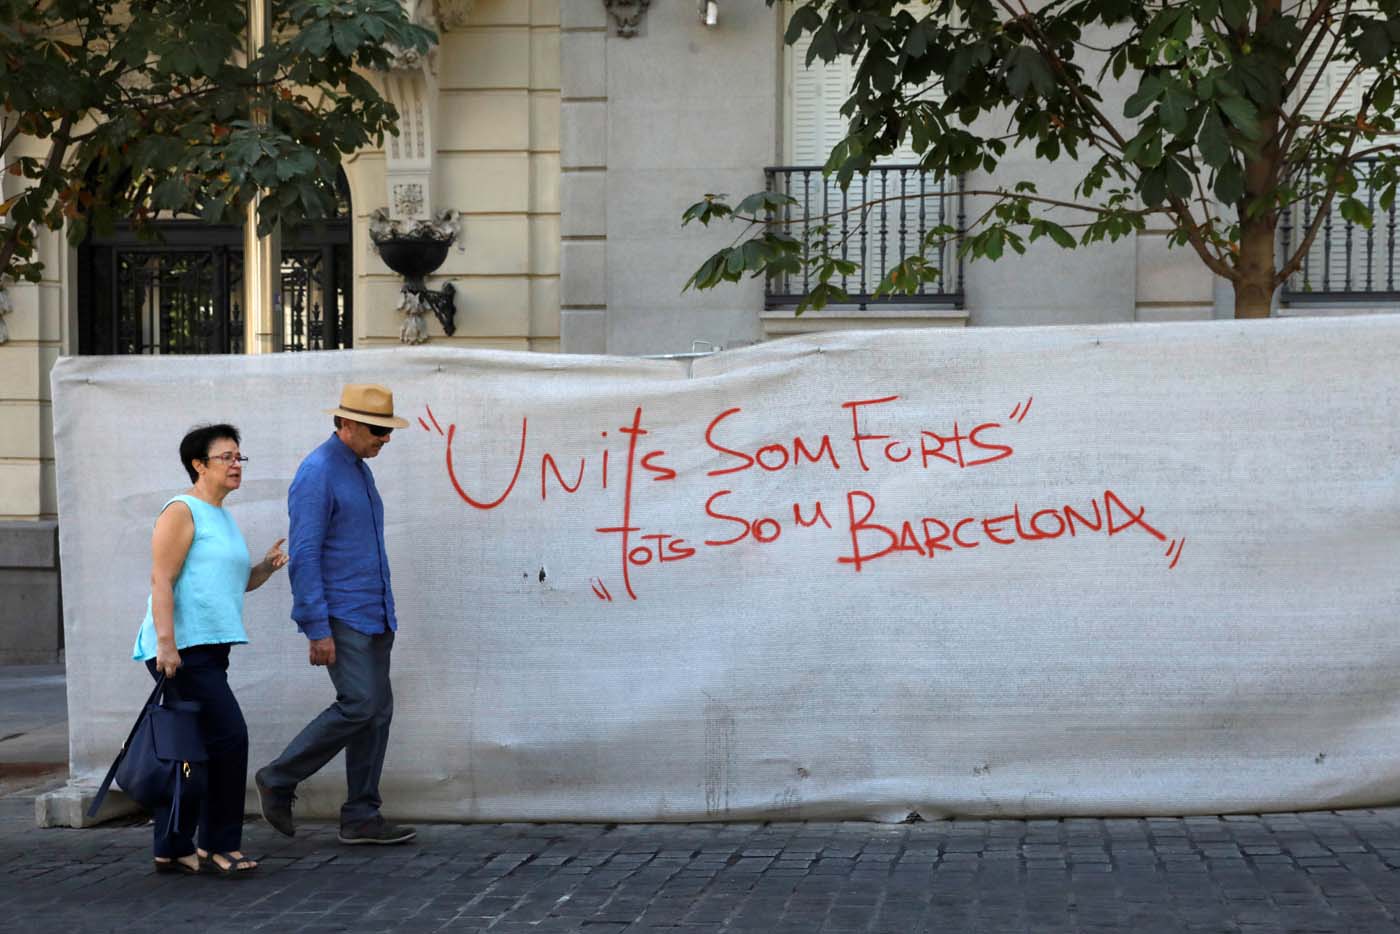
(196, 443)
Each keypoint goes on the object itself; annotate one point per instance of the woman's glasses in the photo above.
(227, 458)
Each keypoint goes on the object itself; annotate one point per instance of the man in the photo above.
(342, 603)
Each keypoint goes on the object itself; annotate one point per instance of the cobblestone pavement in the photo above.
(1313, 872)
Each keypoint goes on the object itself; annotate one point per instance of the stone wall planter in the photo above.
(415, 250)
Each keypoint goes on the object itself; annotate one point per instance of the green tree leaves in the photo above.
(1212, 139)
(147, 107)
(1026, 70)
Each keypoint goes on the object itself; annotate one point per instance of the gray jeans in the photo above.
(357, 722)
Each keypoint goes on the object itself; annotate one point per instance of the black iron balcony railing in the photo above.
(905, 204)
(1347, 262)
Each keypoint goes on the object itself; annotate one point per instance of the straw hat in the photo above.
(369, 403)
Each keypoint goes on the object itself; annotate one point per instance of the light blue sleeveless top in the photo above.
(209, 590)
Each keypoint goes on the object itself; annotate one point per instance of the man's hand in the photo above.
(322, 651)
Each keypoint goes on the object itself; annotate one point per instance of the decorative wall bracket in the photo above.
(415, 300)
(627, 14)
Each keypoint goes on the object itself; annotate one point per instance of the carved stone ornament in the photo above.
(438, 15)
(627, 14)
(445, 225)
(452, 14)
(411, 59)
(412, 307)
(408, 200)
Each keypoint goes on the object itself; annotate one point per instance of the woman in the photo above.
(200, 569)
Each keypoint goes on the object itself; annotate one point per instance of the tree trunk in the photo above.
(1254, 289)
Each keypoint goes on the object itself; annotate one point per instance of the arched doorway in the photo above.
(183, 292)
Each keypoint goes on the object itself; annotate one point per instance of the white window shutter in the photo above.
(815, 97)
(817, 93)
(911, 200)
(1333, 76)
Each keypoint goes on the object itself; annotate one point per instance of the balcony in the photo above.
(1348, 263)
(907, 203)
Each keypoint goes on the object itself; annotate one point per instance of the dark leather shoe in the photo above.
(378, 831)
(276, 805)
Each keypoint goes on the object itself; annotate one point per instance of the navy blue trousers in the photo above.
(203, 677)
(357, 722)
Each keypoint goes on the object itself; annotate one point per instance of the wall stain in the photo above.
(719, 758)
(787, 805)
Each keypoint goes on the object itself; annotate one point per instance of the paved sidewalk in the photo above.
(1317, 872)
(33, 726)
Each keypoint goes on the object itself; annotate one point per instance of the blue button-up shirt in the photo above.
(339, 568)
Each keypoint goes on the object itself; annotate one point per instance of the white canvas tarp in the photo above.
(1082, 570)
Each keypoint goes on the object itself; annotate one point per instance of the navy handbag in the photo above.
(163, 761)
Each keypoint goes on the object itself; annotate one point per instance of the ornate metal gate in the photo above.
(183, 293)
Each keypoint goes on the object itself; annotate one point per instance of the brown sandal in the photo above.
(233, 865)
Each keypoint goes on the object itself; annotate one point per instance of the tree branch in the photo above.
(1323, 6)
(9, 138)
(1032, 26)
(1188, 226)
(1001, 194)
(1292, 123)
(1374, 150)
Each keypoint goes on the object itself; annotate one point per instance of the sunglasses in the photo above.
(379, 431)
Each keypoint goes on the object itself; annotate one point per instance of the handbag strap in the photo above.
(112, 772)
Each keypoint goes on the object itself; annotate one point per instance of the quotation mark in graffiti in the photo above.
(425, 424)
(1176, 546)
(600, 590)
(1012, 417)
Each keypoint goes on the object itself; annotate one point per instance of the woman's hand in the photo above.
(167, 659)
(272, 562)
(276, 558)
